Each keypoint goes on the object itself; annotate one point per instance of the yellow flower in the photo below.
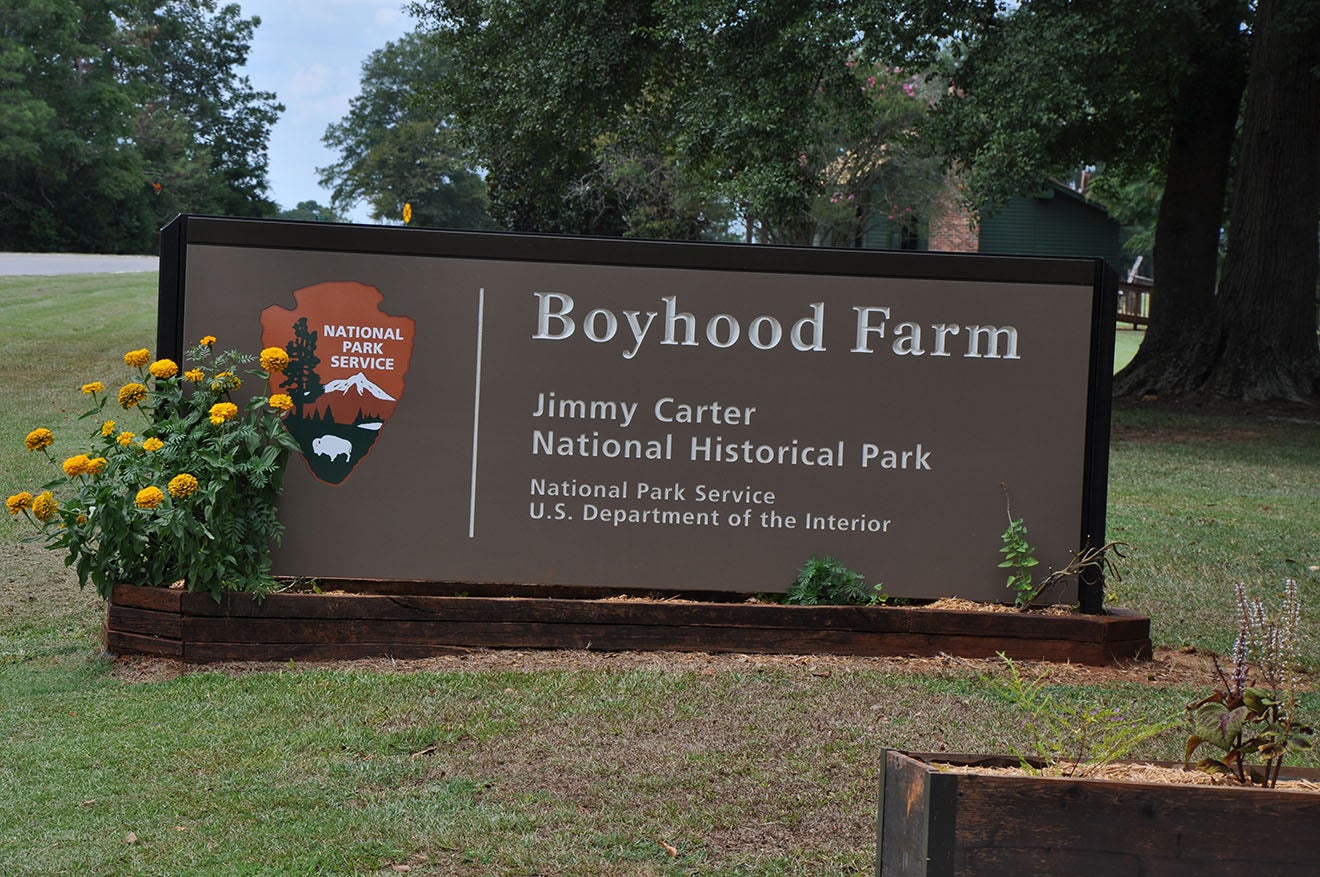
(163, 368)
(281, 402)
(225, 381)
(152, 444)
(39, 438)
(93, 387)
(95, 465)
(274, 359)
(195, 375)
(131, 394)
(44, 506)
(82, 519)
(107, 428)
(18, 502)
(137, 358)
(149, 497)
(222, 411)
(207, 340)
(125, 438)
(76, 465)
(182, 486)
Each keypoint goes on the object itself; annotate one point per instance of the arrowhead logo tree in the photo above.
(347, 363)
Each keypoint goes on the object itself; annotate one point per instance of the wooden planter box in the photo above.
(934, 824)
(285, 626)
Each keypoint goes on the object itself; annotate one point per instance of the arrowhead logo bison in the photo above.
(347, 362)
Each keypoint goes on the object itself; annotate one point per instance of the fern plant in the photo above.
(826, 581)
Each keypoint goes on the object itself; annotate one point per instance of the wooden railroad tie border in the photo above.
(287, 626)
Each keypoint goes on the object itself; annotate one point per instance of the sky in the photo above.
(310, 53)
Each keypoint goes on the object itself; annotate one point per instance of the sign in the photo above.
(493, 408)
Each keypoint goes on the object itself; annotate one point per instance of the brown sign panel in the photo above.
(504, 408)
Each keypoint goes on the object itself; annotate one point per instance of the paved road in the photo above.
(71, 263)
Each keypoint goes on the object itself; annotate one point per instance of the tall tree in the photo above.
(196, 50)
(396, 148)
(1261, 342)
(1050, 85)
(118, 113)
(66, 178)
(649, 116)
(311, 211)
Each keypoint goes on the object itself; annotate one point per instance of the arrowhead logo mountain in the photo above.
(347, 363)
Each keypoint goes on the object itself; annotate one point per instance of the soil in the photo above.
(1184, 667)
(1136, 772)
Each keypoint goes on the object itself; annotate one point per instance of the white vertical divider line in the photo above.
(476, 414)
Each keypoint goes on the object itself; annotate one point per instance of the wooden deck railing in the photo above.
(1134, 302)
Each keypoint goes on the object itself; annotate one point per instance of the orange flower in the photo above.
(137, 358)
(163, 368)
(39, 438)
(222, 411)
(207, 340)
(44, 506)
(93, 388)
(281, 402)
(131, 394)
(183, 485)
(76, 465)
(274, 359)
(18, 502)
(149, 497)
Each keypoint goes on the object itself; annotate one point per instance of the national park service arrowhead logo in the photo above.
(347, 362)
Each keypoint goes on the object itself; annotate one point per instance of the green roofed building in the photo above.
(1054, 222)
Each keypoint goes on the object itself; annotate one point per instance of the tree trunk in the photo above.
(1191, 209)
(1262, 340)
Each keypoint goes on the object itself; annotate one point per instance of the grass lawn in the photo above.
(1126, 342)
(569, 763)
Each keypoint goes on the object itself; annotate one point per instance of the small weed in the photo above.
(1244, 719)
(825, 581)
(1072, 739)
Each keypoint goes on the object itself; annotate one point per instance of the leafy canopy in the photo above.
(118, 114)
(396, 148)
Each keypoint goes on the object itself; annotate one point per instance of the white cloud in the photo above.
(310, 53)
(309, 82)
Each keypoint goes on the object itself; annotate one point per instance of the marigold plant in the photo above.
(274, 359)
(44, 506)
(130, 395)
(39, 438)
(173, 498)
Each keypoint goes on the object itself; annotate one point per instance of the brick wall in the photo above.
(951, 227)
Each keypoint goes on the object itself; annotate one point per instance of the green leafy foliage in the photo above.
(397, 148)
(1020, 560)
(823, 581)
(117, 114)
(666, 119)
(1245, 720)
(311, 211)
(181, 489)
(1070, 739)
